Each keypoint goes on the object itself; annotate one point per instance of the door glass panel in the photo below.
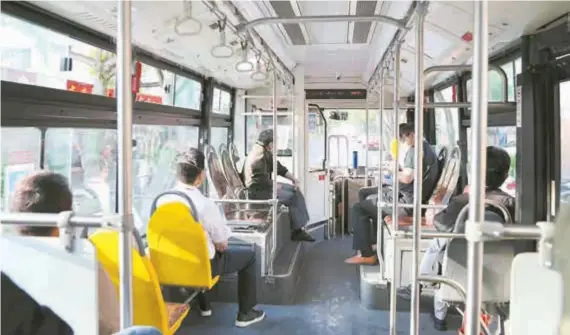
(564, 142)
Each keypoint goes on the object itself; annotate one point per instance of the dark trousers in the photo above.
(293, 198)
(365, 211)
(240, 259)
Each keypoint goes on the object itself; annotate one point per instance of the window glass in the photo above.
(354, 128)
(446, 120)
(87, 157)
(564, 142)
(153, 161)
(21, 149)
(222, 102)
(496, 83)
(316, 140)
(506, 138)
(157, 86)
(218, 135)
(34, 55)
(187, 93)
(256, 124)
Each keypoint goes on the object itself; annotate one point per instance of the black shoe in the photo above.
(406, 292)
(438, 324)
(249, 318)
(301, 235)
(204, 307)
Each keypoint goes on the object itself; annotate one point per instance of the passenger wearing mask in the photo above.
(365, 210)
(224, 258)
(257, 174)
(498, 165)
(48, 192)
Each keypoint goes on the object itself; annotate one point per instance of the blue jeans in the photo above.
(291, 197)
(139, 330)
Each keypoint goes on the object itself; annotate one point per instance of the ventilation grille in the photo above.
(96, 21)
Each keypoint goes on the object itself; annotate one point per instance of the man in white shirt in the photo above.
(225, 259)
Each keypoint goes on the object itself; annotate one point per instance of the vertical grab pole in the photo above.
(478, 166)
(124, 128)
(380, 201)
(274, 174)
(395, 186)
(418, 177)
(367, 142)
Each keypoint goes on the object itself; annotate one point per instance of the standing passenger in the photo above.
(257, 175)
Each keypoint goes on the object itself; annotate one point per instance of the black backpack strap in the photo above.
(182, 195)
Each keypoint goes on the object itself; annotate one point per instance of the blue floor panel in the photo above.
(327, 302)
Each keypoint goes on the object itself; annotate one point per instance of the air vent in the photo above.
(97, 21)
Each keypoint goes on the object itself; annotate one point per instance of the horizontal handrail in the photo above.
(52, 219)
(245, 201)
(399, 205)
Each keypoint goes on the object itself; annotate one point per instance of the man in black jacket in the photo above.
(498, 165)
(257, 176)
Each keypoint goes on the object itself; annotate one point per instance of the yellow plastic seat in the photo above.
(149, 307)
(178, 248)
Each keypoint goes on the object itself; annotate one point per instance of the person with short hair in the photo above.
(257, 174)
(497, 171)
(365, 210)
(224, 258)
(49, 192)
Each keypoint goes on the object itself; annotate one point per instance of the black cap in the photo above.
(265, 137)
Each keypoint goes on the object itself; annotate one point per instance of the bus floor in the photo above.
(327, 302)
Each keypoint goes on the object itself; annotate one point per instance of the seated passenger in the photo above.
(48, 192)
(257, 173)
(498, 165)
(225, 259)
(365, 210)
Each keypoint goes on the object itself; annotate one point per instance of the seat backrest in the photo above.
(234, 155)
(63, 281)
(178, 247)
(536, 297)
(497, 259)
(148, 304)
(216, 174)
(231, 173)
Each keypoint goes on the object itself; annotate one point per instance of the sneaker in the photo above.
(301, 235)
(406, 292)
(249, 318)
(204, 307)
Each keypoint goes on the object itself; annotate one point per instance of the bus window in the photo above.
(446, 120)
(315, 145)
(256, 124)
(20, 156)
(154, 155)
(355, 129)
(87, 158)
(187, 93)
(33, 55)
(506, 138)
(222, 102)
(218, 135)
(512, 69)
(564, 143)
(157, 86)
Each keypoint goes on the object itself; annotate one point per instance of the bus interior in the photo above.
(334, 79)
